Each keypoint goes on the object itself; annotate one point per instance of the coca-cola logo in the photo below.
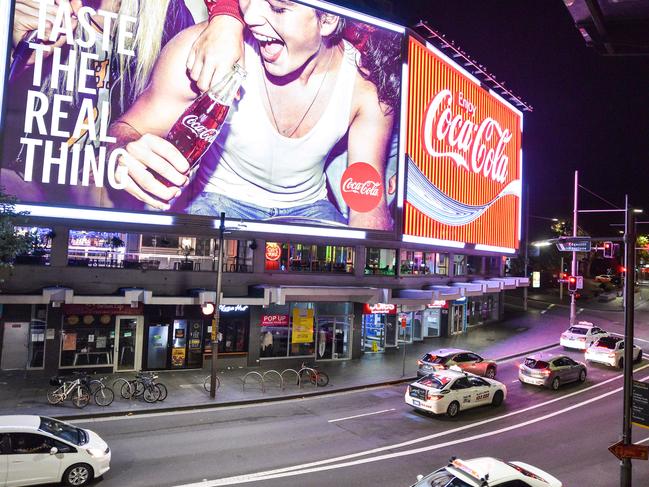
(361, 187)
(200, 130)
(476, 147)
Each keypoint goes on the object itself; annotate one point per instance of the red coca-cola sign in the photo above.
(361, 187)
(274, 320)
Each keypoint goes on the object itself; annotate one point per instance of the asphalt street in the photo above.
(372, 438)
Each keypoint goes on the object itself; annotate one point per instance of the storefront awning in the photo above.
(370, 295)
(425, 296)
(507, 282)
(468, 288)
(490, 286)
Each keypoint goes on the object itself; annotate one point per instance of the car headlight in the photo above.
(95, 452)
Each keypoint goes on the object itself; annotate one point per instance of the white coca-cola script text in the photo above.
(369, 188)
(475, 147)
(200, 130)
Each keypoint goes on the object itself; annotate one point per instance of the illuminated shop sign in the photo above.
(463, 157)
(239, 308)
(273, 251)
(274, 320)
(92, 121)
(380, 308)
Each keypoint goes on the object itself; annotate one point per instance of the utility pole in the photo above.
(629, 297)
(573, 272)
(217, 310)
(527, 232)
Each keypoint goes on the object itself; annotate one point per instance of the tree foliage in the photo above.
(12, 243)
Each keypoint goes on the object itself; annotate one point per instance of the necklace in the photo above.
(308, 108)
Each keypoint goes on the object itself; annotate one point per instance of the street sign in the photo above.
(536, 279)
(580, 282)
(620, 450)
(573, 244)
(640, 404)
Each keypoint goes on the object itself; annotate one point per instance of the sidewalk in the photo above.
(25, 392)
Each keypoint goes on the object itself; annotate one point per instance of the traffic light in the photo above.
(572, 284)
(608, 250)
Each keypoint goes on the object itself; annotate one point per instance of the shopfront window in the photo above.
(40, 246)
(474, 264)
(297, 257)
(87, 340)
(414, 262)
(380, 261)
(492, 266)
(459, 265)
(320, 330)
(156, 251)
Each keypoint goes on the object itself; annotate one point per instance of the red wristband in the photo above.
(224, 7)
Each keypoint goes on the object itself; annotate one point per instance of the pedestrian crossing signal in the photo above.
(608, 250)
(572, 284)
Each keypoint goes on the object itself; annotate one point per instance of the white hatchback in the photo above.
(39, 450)
(581, 336)
(450, 391)
(610, 351)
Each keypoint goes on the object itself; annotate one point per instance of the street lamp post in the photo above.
(573, 272)
(217, 306)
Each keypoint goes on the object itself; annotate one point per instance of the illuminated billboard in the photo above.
(463, 158)
(96, 99)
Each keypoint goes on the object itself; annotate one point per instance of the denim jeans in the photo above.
(212, 204)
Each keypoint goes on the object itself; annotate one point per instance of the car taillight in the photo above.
(433, 397)
(563, 335)
(521, 367)
(420, 362)
(611, 354)
(581, 339)
(546, 372)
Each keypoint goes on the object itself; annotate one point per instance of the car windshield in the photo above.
(607, 342)
(578, 330)
(64, 431)
(535, 364)
(435, 359)
(442, 478)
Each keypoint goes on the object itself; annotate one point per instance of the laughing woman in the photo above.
(308, 88)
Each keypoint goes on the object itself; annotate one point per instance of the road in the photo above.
(372, 438)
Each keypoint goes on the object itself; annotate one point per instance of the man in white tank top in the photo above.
(303, 94)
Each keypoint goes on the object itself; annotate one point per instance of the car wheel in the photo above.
(582, 375)
(491, 373)
(639, 359)
(453, 409)
(78, 475)
(620, 364)
(555, 383)
(497, 399)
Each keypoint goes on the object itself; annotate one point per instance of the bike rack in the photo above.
(297, 375)
(309, 370)
(273, 372)
(253, 374)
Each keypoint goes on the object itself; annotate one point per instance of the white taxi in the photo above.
(39, 450)
(489, 471)
(610, 351)
(582, 335)
(451, 391)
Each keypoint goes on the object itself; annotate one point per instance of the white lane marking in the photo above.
(300, 470)
(580, 310)
(547, 309)
(442, 433)
(642, 441)
(360, 415)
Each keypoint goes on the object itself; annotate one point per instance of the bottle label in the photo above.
(200, 130)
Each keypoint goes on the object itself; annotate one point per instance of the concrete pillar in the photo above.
(59, 252)
(357, 326)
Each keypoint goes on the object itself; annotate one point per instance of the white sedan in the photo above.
(581, 336)
(450, 391)
(39, 450)
(610, 351)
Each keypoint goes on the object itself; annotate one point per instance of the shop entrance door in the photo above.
(128, 343)
(457, 319)
(373, 335)
(14, 346)
(333, 340)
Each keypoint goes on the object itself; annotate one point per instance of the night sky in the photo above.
(590, 111)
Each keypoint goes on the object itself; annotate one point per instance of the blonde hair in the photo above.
(133, 72)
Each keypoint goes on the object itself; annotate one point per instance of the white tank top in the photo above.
(251, 162)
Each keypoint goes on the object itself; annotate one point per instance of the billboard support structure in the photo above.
(217, 310)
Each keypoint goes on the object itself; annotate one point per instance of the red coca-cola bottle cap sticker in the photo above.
(361, 187)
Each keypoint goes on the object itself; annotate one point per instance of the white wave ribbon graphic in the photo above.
(435, 204)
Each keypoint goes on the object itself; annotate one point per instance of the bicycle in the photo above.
(207, 383)
(316, 377)
(63, 388)
(144, 385)
(101, 393)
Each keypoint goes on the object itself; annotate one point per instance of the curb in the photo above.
(290, 397)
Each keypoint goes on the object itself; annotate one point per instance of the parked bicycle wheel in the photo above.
(163, 391)
(104, 396)
(151, 393)
(54, 396)
(138, 387)
(207, 383)
(94, 385)
(321, 377)
(81, 396)
(123, 386)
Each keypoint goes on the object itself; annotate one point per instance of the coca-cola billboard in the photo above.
(304, 130)
(463, 156)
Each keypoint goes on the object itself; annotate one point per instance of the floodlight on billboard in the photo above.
(463, 157)
(88, 116)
